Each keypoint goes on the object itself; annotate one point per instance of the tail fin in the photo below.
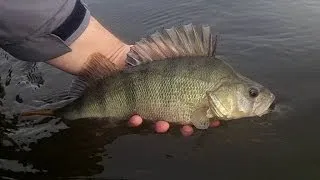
(41, 112)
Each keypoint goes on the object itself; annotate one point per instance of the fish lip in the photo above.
(268, 108)
(272, 106)
(272, 103)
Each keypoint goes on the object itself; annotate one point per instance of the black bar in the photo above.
(71, 24)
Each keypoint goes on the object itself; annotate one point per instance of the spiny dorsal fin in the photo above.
(183, 41)
(97, 66)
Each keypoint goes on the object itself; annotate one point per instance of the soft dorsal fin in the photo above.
(97, 66)
(183, 41)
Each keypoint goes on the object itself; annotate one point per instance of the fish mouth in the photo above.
(269, 107)
(272, 106)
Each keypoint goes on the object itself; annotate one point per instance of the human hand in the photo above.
(163, 126)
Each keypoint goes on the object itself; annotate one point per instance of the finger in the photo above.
(214, 124)
(186, 130)
(161, 126)
(135, 121)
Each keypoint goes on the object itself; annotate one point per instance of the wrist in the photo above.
(95, 39)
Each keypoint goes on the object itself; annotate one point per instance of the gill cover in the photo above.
(238, 99)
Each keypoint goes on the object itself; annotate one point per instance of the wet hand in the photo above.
(163, 126)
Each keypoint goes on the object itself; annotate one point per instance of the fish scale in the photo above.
(172, 99)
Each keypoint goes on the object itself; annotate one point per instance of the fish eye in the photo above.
(253, 92)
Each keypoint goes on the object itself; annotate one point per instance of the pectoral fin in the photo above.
(200, 118)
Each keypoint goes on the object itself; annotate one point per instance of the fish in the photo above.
(173, 74)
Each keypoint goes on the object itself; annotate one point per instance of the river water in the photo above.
(274, 42)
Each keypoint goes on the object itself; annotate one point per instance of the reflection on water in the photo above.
(273, 42)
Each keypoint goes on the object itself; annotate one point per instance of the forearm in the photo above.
(95, 38)
(61, 33)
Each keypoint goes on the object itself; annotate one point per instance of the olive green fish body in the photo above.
(170, 90)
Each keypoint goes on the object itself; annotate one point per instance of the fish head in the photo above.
(240, 98)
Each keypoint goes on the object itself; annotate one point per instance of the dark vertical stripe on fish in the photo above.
(101, 104)
(173, 69)
(148, 85)
(129, 92)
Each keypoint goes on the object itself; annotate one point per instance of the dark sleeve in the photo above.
(40, 30)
